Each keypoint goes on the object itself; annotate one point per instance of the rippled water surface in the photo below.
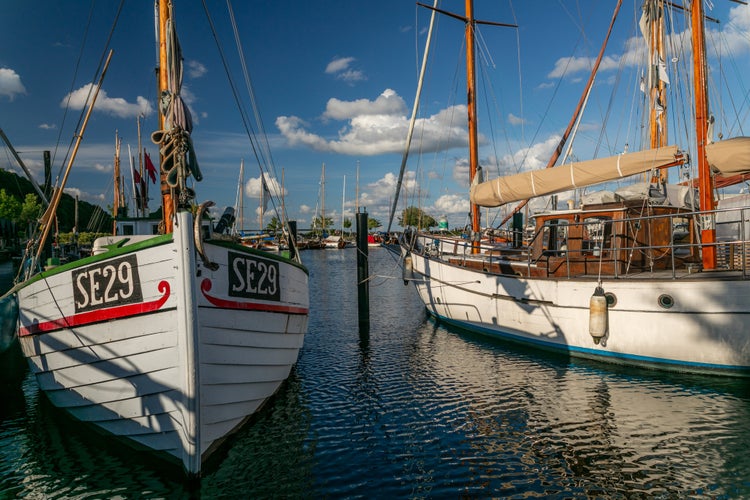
(412, 409)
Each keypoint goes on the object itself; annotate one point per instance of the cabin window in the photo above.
(597, 233)
(127, 229)
(555, 236)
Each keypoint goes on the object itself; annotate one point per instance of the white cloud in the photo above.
(339, 65)
(115, 106)
(379, 127)
(387, 103)
(515, 120)
(732, 36)
(450, 204)
(47, 126)
(341, 68)
(95, 198)
(10, 83)
(253, 187)
(196, 69)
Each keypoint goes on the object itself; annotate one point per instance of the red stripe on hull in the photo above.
(98, 315)
(248, 306)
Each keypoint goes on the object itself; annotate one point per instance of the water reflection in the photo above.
(413, 409)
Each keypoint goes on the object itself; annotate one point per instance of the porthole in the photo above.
(666, 301)
(611, 299)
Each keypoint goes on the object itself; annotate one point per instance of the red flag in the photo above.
(150, 167)
(140, 194)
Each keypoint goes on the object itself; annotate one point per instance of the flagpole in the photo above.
(132, 181)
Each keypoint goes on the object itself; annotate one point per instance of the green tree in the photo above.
(373, 224)
(347, 223)
(31, 209)
(274, 225)
(10, 206)
(318, 222)
(413, 216)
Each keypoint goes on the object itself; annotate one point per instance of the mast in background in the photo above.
(705, 179)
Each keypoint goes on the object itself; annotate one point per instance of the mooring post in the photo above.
(363, 283)
(292, 243)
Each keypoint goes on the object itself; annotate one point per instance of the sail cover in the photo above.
(527, 185)
(730, 157)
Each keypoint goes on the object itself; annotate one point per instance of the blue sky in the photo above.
(335, 84)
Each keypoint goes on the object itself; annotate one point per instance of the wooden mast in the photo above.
(167, 204)
(705, 180)
(471, 105)
(658, 87)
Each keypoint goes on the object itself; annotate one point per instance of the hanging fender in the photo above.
(598, 315)
(407, 269)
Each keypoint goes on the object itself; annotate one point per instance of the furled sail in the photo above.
(731, 156)
(501, 190)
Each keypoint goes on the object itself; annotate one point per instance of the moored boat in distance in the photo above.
(169, 341)
(653, 274)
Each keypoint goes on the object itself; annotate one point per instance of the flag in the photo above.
(149, 167)
(142, 193)
(265, 194)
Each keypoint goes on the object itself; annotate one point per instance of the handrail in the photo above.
(726, 249)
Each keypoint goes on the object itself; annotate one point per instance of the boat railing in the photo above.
(682, 245)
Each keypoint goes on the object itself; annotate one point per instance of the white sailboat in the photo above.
(656, 278)
(170, 341)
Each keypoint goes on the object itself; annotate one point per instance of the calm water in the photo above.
(412, 409)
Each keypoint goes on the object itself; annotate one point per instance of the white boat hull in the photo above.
(153, 345)
(706, 329)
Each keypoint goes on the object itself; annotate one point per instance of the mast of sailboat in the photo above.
(705, 179)
(471, 102)
(579, 109)
(658, 122)
(57, 196)
(471, 105)
(144, 185)
(167, 204)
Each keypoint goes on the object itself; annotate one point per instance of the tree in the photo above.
(347, 223)
(10, 206)
(274, 225)
(373, 224)
(31, 209)
(318, 222)
(413, 216)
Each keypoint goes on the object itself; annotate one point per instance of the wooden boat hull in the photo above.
(692, 324)
(151, 344)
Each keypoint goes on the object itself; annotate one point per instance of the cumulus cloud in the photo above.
(253, 187)
(10, 84)
(451, 204)
(377, 127)
(387, 103)
(342, 70)
(732, 36)
(115, 106)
